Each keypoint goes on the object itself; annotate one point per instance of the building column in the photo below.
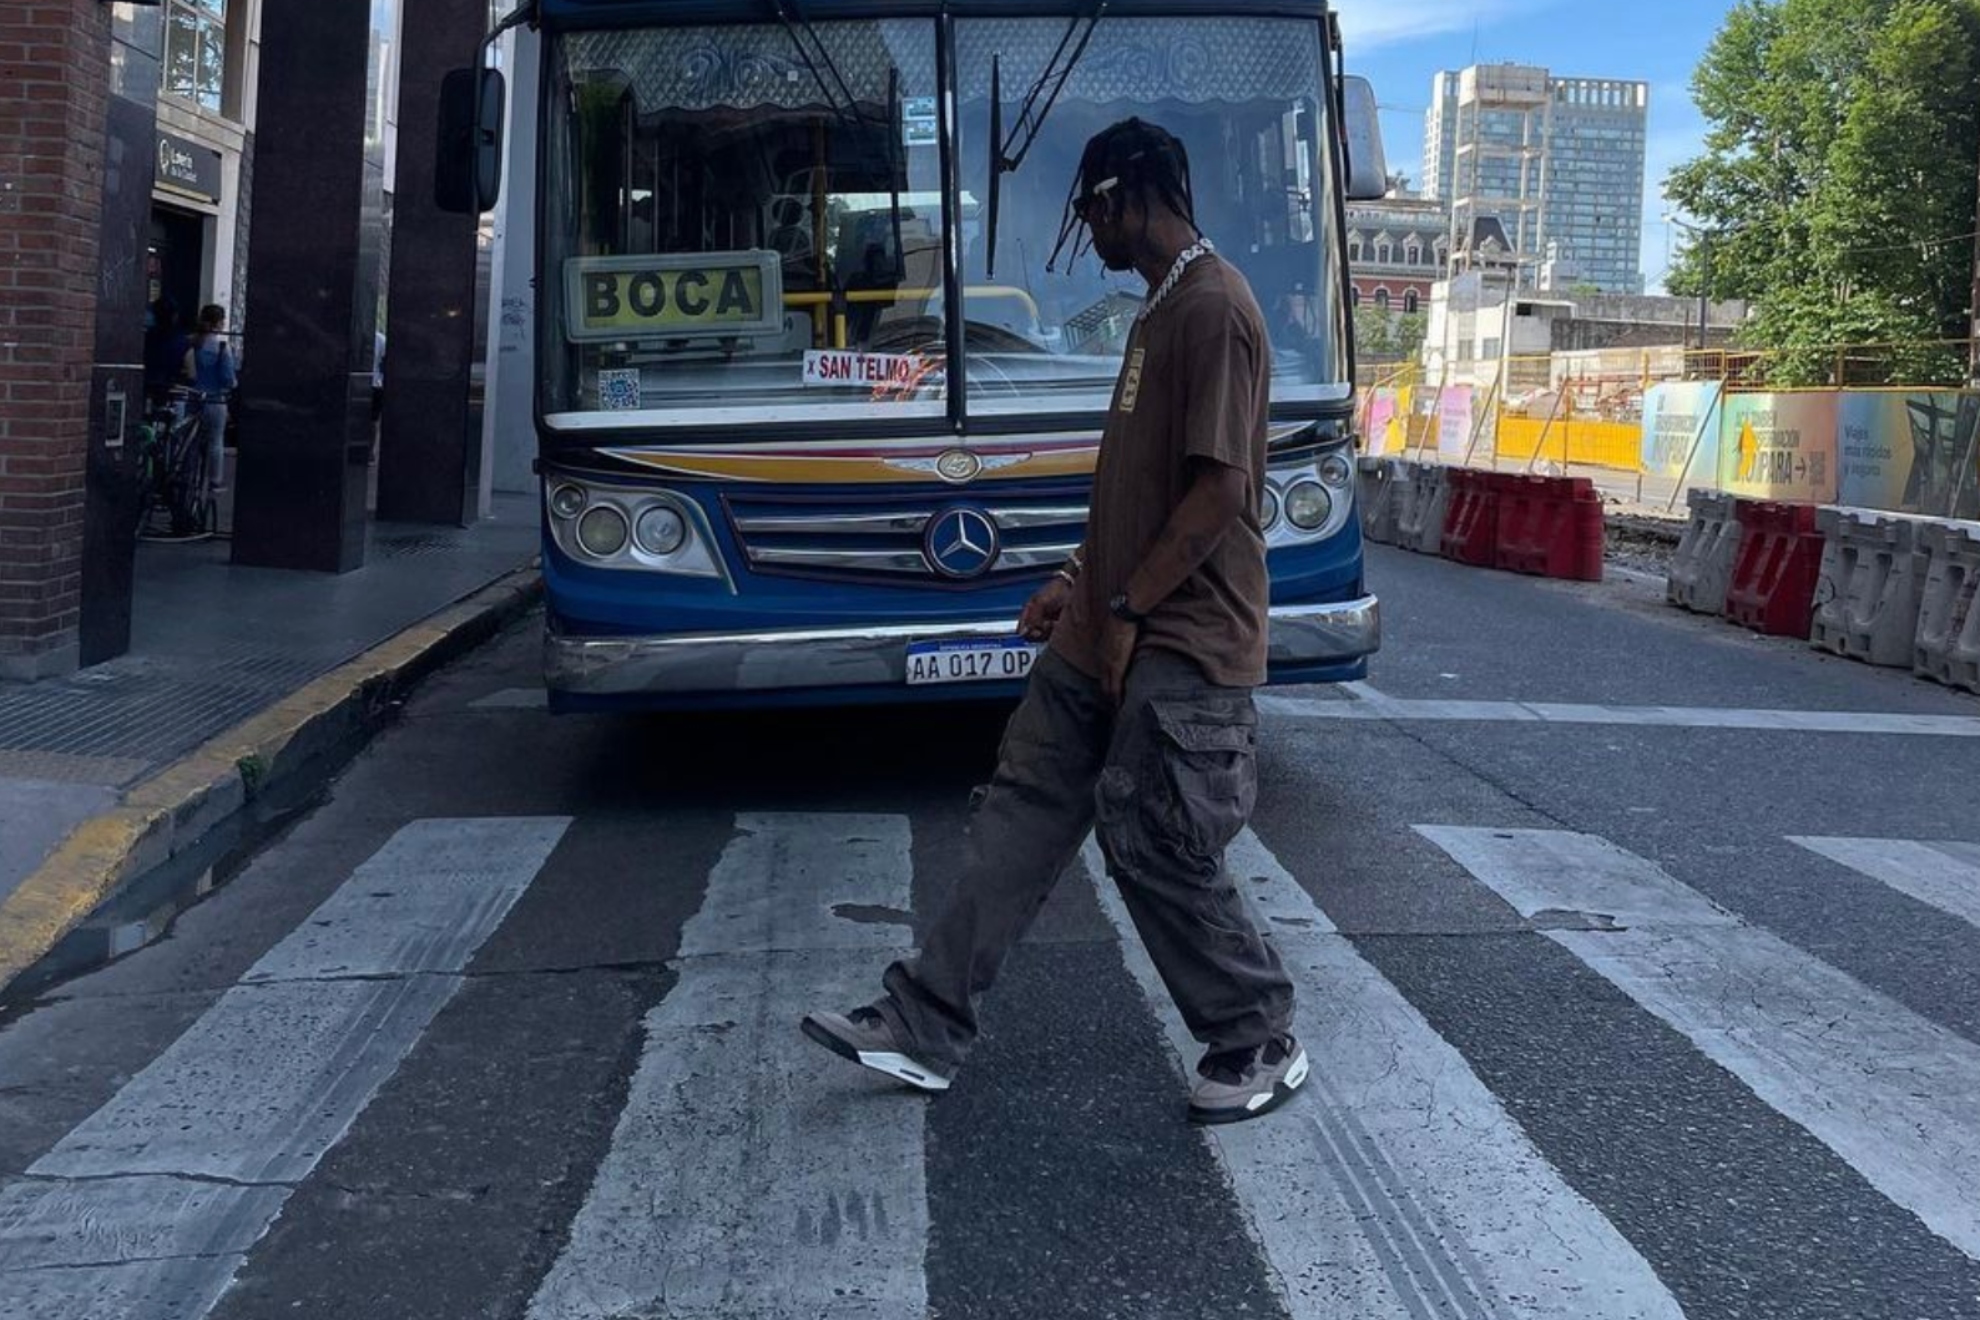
(314, 249)
(54, 95)
(130, 152)
(428, 463)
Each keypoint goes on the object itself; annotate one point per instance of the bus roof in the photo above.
(641, 13)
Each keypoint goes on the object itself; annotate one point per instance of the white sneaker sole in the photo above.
(897, 1066)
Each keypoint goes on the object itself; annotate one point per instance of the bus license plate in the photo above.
(1002, 660)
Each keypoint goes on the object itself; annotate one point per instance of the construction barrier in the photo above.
(1471, 527)
(1947, 647)
(1420, 525)
(1775, 572)
(1702, 568)
(1382, 481)
(1550, 527)
(1871, 586)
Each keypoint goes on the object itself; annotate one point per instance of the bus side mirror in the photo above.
(1367, 168)
(467, 165)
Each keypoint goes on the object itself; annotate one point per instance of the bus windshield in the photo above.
(739, 226)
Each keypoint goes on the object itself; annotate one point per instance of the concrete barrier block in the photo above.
(1702, 567)
(1382, 482)
(1947, 647)
(1429, 507)
(1871, 585)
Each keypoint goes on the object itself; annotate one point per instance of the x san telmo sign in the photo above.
(187, 169)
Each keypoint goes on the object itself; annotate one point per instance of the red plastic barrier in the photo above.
(1779, 564)
(1551, 527)
(1471, 526)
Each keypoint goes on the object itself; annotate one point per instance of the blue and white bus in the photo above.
(814, 416)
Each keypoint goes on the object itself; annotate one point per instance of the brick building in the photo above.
(133, 138)
(1397, 249)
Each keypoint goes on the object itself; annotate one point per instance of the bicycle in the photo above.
(172, 477)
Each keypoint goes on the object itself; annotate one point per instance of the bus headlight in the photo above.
(568, 501)
(1336, 471)
(661, 530)
(1268, 508)
(1308, 504)
(602, 532)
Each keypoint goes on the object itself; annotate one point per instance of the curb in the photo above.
(307, 734)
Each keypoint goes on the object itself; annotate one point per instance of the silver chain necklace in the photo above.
(1201, 247)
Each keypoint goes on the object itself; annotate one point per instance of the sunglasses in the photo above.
(1094, 202)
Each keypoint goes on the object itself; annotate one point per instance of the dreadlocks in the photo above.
(1146, 159)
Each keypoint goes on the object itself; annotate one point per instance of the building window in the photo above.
(1382, 299)
(1354, 297)
(1383, 253)
(196, 51)
(1354, 249)
(1410, 304)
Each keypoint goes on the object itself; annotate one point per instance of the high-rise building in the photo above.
(1559, 162)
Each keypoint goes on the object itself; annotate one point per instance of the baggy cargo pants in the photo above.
(1166, 784)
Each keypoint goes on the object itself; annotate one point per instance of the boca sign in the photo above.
(674, 296)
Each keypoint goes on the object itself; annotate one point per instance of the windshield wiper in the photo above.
(1008, 153)
(797, 27)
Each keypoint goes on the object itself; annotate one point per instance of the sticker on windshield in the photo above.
(618, 389)
(868, 370)
(918, 121)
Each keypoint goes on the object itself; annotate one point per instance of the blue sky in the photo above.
(1400, 44)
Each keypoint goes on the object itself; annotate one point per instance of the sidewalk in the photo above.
(214, 645)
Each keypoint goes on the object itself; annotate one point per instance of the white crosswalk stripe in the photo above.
(1398, 1186)
(737, 1183)
(145, 1209)
(1944, 875)
(1895, 1095)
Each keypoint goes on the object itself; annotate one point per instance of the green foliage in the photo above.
(1391, 334)
(1837, 184)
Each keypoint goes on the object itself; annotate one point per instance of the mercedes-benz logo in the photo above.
(961, 543)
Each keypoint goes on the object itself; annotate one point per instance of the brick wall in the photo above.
(54, 85)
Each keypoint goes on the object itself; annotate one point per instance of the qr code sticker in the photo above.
(618, 389)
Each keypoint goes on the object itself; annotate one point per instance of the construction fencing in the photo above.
(1675, 420)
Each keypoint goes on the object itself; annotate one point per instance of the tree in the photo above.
(1836, 188)
(1387, 335)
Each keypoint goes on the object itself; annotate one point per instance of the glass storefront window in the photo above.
(196, 52)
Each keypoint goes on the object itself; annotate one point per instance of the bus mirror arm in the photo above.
(467, 173)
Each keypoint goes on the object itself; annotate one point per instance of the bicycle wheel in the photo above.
(188, 489)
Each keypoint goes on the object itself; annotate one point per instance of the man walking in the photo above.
(1138, 719)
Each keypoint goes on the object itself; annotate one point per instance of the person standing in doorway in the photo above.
(210, 363)
(1138, 720)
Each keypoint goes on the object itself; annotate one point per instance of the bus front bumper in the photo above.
(1304, 638)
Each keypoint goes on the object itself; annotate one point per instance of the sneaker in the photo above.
(864, 1037)
(1235, 1085)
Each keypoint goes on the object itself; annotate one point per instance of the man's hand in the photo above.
(1118, 638)
(1042, 611)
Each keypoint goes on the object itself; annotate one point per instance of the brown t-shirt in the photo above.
(1195, 385)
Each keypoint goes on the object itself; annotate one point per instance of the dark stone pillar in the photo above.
(305, 428)
(130, 154)
(428, 457)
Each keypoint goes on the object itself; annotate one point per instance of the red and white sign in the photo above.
(868, 370)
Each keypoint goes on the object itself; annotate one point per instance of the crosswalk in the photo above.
(748, 1175)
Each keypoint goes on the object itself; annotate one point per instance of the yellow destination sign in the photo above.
(674, 295)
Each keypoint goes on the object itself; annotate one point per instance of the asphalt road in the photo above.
(1639, 963)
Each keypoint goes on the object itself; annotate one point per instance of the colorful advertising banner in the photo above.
(1676, 417)
(1779, 447)
(1911, 452)
(1382, 425)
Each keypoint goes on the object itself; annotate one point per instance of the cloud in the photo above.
(1370, 23)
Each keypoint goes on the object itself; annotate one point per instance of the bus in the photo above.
(818, 393)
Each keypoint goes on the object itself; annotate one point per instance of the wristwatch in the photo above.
(1126, 613)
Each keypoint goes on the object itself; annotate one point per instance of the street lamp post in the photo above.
(1704, 238)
